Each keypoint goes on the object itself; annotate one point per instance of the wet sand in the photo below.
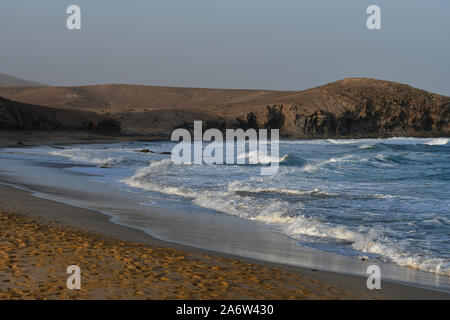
(41, 238)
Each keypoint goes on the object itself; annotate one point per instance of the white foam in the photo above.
(255, 157)
(236, 187)
(386, 196)
(346, 158)
(438, 142)
(394, 140)
(296, 226)
(366, 146)
(79, 155)
(314, 167)
(142, 179)
(310, 168)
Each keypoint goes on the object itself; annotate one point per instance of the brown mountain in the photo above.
(346, 108)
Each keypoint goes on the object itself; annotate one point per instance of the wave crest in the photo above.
(438, 142)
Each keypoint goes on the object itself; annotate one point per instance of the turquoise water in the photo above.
(373, 199)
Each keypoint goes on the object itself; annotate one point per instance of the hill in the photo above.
(7, 80)
(354, 107)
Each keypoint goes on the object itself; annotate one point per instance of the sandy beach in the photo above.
(41, 238)
(34, 256)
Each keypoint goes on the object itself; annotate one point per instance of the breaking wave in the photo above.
(438, 142)
(234, 199)
(386, 199)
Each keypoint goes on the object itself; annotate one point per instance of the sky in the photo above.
(242, 44)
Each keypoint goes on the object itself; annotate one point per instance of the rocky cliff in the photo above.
(356, 108)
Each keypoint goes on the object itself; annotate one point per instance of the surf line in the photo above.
(213, 153)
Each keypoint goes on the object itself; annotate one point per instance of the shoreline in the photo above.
(101, 223)
(11, 139)
(84, 220)
(219, 234)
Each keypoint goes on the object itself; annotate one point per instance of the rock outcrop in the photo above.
(369, 110)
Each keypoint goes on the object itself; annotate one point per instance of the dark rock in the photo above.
(145, 151)
(105, 126)
(21, 116)
(275, 117)
(248, 121)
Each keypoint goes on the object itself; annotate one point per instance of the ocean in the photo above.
(369, 199)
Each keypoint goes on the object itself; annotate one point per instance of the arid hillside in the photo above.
(347, 108)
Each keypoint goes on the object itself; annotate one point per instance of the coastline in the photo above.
(10, 139)
(85, 220)
(88, 224)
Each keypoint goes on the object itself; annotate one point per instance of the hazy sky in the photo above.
(268, 44)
